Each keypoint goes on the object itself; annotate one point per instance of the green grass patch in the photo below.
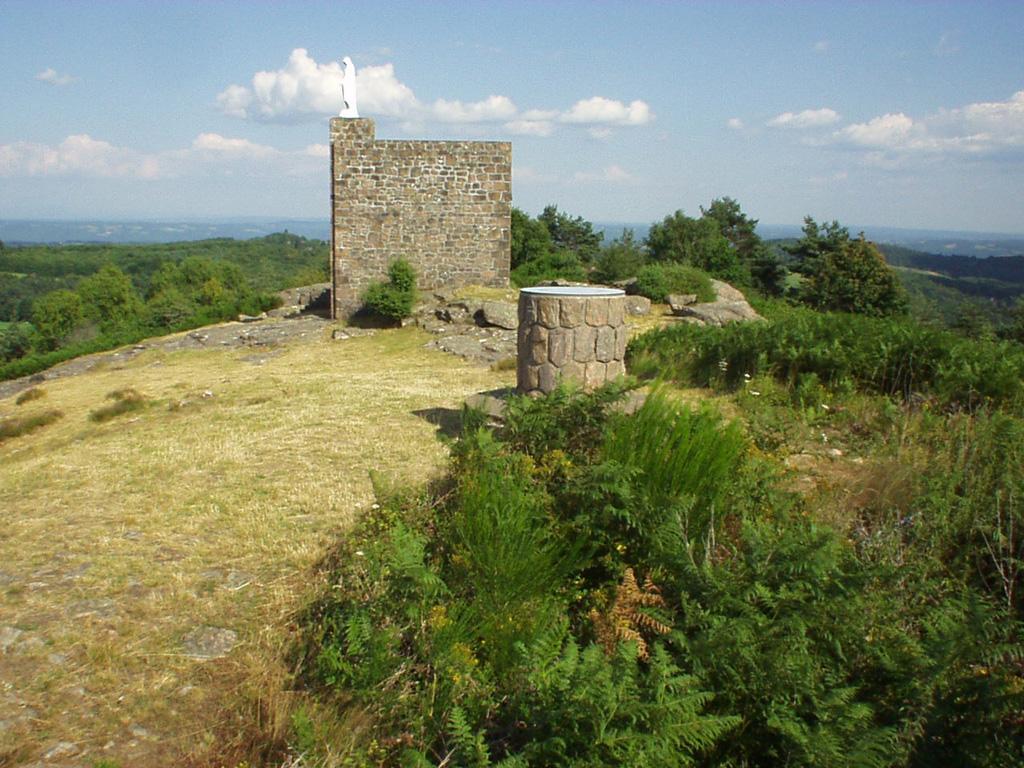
(23, 425)
(35, 393)
(124, 401)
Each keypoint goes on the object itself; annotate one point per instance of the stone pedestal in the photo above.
(570, 332)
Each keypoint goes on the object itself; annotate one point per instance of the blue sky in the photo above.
(892, 114)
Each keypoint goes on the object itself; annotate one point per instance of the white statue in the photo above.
(348, 90)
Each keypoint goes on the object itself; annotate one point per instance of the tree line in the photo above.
(827, 268)
(57, 302)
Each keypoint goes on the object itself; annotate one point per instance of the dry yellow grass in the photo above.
(206, 507)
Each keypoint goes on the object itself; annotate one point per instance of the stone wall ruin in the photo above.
(445, 206)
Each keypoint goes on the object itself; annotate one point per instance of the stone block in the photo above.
(547, 377)
(573, 312)
(621, 340)
(584, 341)
(538, 345)
(548, 311)
(597, 312)
(638, 305)
(604, 348)
(678, 302)
(594, 374)
(616, 310)
(528, 376)
(500, 313)
(572, 371)
(527, 311)
(560, 346)
(615, 369)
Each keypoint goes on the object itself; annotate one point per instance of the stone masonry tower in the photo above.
(445, 206)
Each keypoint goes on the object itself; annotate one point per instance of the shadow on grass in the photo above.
(449, 420)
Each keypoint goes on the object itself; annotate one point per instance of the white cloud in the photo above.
(600, 132)
(821, 46)
(612, 174)
(318, 150)
(214, 142)
(980, 128)
(209, 153)
(305, 89)
(530, 127)
(79, 154)
(599, 110)
(53, 77)
(885, 131)
(808, 118)
(734, 123)
(530, 174)
(539, 114)
(490, 109)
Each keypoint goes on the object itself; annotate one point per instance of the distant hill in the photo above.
(18, 231)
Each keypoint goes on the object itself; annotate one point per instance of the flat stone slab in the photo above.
(637, 305)
(503, 314)
(205, 642)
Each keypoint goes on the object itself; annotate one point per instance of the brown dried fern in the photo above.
(626, 620)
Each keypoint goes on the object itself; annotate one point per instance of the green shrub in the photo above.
(888, 356)
(35, 393)
(685, 460)
(560, 265)
(123, 401)
(657, 281)
(588, 588)
(621, 259)
(395, 298)
(23, 425)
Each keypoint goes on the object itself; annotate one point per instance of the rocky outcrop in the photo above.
(501, 314)
(729, 306)
(637, 305)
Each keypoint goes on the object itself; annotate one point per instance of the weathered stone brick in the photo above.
(597, 312)
(538, 345)
(560, 346)
(547, 311)
(594, 374)
(572, 371)
(572, 312)
(583, 344)
(547, 377)
(604, 348)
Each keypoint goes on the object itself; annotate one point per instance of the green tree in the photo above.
(168, 308)
(699, 243)
(15, 340)
(854, 278)
(1014, 330)
(740, 230)
(571, 233)
(816, 242)
(109, 298)
(734, 224)
(530, 239)
(620, 259)
(55, 316)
